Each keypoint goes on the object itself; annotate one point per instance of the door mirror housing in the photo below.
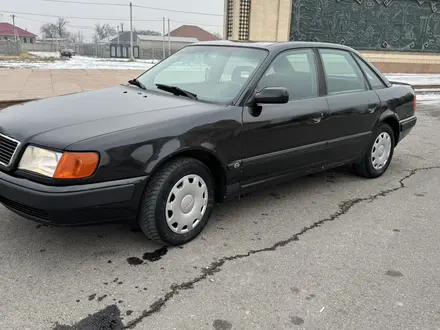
(272, 95)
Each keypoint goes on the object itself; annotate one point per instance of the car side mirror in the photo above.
(272, 95)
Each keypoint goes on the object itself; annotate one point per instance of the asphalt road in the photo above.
(330, 251)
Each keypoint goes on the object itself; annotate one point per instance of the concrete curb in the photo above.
(420, 87)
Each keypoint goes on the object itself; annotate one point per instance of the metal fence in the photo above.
(95, 50)
(154, 54)
(12, 48)
(123, 51)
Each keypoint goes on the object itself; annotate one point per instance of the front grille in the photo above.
(8, 147)
(26, 210)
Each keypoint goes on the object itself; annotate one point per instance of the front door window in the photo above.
(294, 70)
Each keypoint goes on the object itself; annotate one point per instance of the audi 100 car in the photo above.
(212, 121)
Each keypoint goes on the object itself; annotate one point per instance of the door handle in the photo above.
(317, 119)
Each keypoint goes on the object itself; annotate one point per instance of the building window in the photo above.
(243, 26)
(31, 40)
(25, 40)
(230, 17)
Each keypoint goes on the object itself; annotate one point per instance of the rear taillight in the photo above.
(415, 102)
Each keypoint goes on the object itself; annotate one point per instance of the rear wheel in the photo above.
(379, 154)
(177, 202)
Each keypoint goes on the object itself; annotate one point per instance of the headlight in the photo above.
(67, 165)
(40, 161)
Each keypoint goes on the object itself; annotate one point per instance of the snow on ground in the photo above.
(78, 62)
(45, 54)
(428, 98)
(83, 62)
(415, 79)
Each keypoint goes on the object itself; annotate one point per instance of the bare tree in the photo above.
(61, 27)
(73, 37)
(218, 35)
(54, 30)
(48, 30)
(103, 31)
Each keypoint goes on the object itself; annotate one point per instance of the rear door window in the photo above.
(341, 72)
(373, 79)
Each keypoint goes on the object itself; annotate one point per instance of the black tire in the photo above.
(365, 168)
(151, 216)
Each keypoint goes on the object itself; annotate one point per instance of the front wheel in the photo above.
(177, 202)
(379, 154)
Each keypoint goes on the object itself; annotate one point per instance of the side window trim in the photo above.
(322, 80)
(296, 49)
(358, 59)
(365, 80)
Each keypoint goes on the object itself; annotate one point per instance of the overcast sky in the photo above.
(121, 14)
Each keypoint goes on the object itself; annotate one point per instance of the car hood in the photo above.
(61, 121)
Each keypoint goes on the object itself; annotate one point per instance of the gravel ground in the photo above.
(328, 251)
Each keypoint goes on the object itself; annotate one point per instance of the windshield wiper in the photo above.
(137, 83)
(176, 91)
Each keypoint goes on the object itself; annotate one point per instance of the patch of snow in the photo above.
(84, 62)
(45, 54)
(428, 98)
(427, 90)
(80, 62)
(415, 79)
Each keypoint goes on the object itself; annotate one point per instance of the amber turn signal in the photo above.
(76, 165)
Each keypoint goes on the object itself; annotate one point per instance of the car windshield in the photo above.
(209, 73)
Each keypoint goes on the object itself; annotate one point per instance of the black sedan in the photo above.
(164, 148)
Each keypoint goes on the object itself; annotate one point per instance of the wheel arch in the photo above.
(205, 156)
(390, 118)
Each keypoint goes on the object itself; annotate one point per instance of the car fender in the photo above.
(170, 150)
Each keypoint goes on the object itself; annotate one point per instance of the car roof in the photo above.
(272, 46)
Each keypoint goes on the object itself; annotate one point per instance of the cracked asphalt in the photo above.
(328, 251)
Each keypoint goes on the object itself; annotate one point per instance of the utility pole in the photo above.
(80, 47)
(117, 46)
(13, 23)
(122, 27)
(163, 41)
(131, 31)
(15, 33)
(56, 39)
(169, 38)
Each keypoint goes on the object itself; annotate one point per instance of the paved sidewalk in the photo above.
(23, 84)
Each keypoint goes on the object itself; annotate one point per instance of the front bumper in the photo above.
(406, 125)
(72, 205)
